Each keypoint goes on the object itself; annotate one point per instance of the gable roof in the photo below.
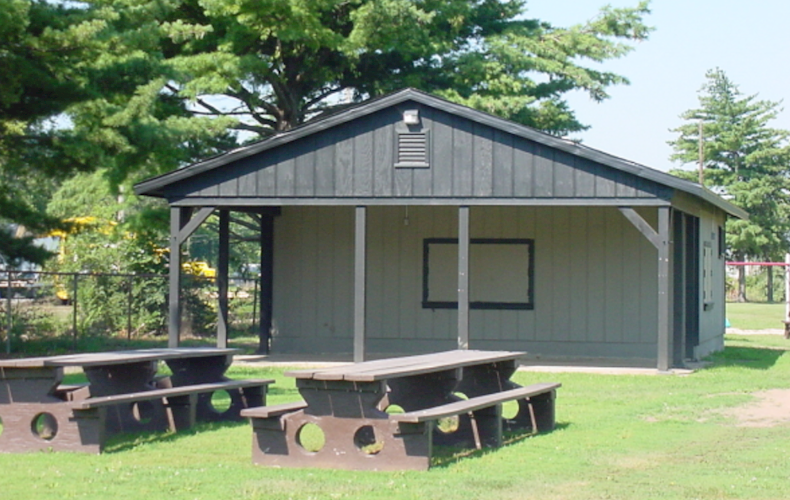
(157, 186)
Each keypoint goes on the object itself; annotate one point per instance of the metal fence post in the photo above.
(787, 286)
(254, 303)
(129, 310)
(8, 314)
(74, 287)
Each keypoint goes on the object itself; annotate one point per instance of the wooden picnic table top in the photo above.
(383, 369)
(115, 357)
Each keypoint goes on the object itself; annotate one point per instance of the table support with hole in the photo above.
(343, 421)
(123, 394)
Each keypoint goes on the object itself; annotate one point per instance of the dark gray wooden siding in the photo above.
(467, 160)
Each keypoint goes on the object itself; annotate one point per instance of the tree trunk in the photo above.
(742, 284)
(770, 284)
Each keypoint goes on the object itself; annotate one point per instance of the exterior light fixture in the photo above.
(411, 117)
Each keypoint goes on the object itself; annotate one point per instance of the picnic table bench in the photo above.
(349, 405)
(123, 394)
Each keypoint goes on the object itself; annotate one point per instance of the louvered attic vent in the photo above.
(412, 150)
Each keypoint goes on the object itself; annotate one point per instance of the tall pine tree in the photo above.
(746, 161)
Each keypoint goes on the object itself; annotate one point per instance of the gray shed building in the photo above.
(411, 224)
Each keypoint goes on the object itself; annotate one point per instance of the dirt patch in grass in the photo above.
(771, 407)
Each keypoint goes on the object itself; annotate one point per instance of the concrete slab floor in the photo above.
(528, 363)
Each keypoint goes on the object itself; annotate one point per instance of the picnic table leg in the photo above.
(47, 425)
(109, 380)
(357, 435)
(535, 414)
(208, 369)
(486, 379)
(436, 389)
(34, 418)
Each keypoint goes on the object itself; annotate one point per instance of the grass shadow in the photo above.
(445, 456)
(756, 358)
(126, 441)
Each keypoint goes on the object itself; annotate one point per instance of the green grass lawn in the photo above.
(755, 316)
(618, 437)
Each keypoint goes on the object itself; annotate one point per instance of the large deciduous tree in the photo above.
(140, 88)
(258, 67)
(745, 160)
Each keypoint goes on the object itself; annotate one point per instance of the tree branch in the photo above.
(212, 110)
(320, 97)
(262, 130)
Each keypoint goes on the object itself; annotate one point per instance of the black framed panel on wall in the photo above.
(501, 273)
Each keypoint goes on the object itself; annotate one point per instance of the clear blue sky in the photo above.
(749, 40)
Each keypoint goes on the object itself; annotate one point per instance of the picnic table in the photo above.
(123, 394)
(349, 405)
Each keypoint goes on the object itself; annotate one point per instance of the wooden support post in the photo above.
(222, 277)
(642, 225)
(181, 227)
(359, 282)
(664, 312)
(463, 277)
(177, 216)
(267, 283)
(659, 239)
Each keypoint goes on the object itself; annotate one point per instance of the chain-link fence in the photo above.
(37, 305)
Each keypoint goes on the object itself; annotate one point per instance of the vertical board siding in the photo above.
(404, 182)
(483, 161)
(305, 171)
(711, 319)
(248, 179)
(344, 164)
(625, 186)
(442, 155)
(648, 295)
(613, 289)
(561, 282)
(363, 164)
(564, 169)
(595, 281)
(584, 178)
(544, 172)
(544, 274)
(631, 251)
(462, 158)
(286, 177)
(324, 165)
(523, 168)
(580, 291)
(313, 297)
(383, 289)
(595, 260)
(525, 218)
(422, 178)
(267, 176)
(605, 186)
(382, 162)
(502, 171)
(325, 281)
(466, 159)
